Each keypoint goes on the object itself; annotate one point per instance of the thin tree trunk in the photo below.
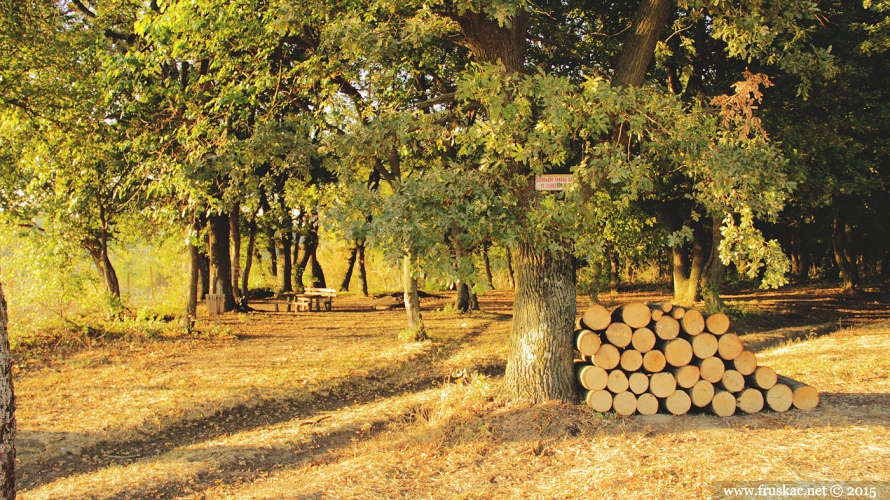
(539, 363)
(273, 253)
(350, 264)
(191, 307)
(7, 408)
(848, 272)
(310, 243)
(416, 330)
(204, 274)
(510, 275)
(362, 273)
(285, 272)
(714, 270)
(614, 278)
(248, 260)
(220, 260)
(235, 239)
(487, 265)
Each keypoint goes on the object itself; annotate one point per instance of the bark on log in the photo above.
(653, 361)
(779, 397)
(624, 403)
(723, 404)
(596, 317)
(587, 342)
(600, 400)
(693, 322)
(678, 403)
(638, 383)
(635, 315)
(711, 369)
(701, 393)
(664, 307)
(617, 381)
(647, 404)
(619, 334)
(729, 346)
(667, 328)
(763, 377)
(631, 360)
(607, 357)
(704, 345)
(750, 400)
(643, 340)
(592, 378)
(745, 363)
(687, 376)
(678, 352)
(732, 381)
(662, 384)
(804, 397)
(717, 323)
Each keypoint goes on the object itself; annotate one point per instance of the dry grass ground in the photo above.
(333, 405)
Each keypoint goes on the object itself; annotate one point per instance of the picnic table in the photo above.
(314, 298)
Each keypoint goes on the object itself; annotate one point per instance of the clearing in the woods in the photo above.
(334, 405)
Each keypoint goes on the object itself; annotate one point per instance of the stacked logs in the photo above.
(644, 359)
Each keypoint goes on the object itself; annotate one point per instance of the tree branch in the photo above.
(84, 9)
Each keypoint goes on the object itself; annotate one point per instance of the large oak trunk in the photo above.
(714, 270)
(539, 363)
(7, 409)
(842, 242)
(220, 260)
(416, 330)
(350, 264)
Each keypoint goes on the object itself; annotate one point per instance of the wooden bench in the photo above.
(314, 298)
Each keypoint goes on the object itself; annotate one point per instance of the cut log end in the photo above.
(624, 403)
(729, 346)
(763, 377)
(596, 317)
(678, 403)
(717, 323)
(662, 384)
(587, 342)
(667, 328)
(600, 401)
(607, 357)
(779, 397)
(723, 404)
(631, 360)
(693, 322)
(712, 369)
(732, 381)
(701, 393)
(617, 381)
(619, 334)
(687, 376)
(592, 378)
(750, 400)
(704, 345)
(638, 383)
(647, 404)
(643, 340)
(635, 314)
(678, 352)
(745, 363)
(654, 362)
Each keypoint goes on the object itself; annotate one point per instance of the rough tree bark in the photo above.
(7, 408)
(841, 238)
(235, 240)
(310, 243)
(220, 260)
(248, 261)
(191, 308)
(416, 330)
(362, 272)
(285, 271)
(714, 270)
(350, 264)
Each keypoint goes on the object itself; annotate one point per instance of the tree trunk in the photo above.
(416, 330)
(466, 298)
(191, 308)
(714, 270)
(848, 273)
(318, 279)
(235, 239)
(350, 264)
(203, 274)
(539, 363)
(220, 260)
(285, 271)
(510, 274)
(614, 279)
(310, 243)
(639, 43)
(686, 279)
(98, 250)
(487, 265)
(248, 260)
(7, 408)
(273, 253)
(362, 273)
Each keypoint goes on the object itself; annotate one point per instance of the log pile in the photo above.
(649, 358)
